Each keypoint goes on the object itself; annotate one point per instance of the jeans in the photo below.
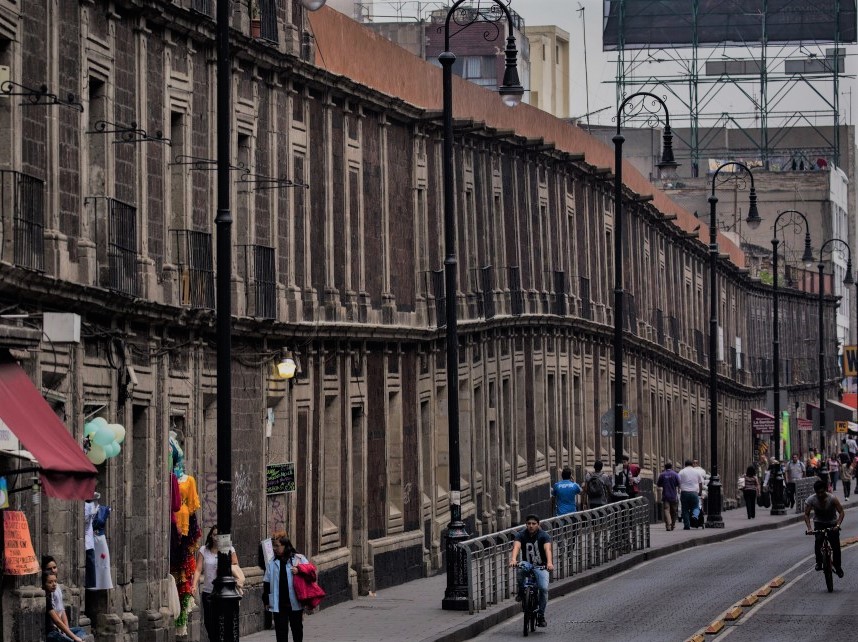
(209, 616)
(58, 636)
(750, 502)
(284, 620)
(835, 477)
(541, 584)
(689, 501)
(833, 538)
(790, 494)
(669, 509)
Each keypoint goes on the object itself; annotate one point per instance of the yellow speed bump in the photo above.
(775, 583)
(764, 591)
(733, 614)
(715, 627)
(697, 637)
(749, 601)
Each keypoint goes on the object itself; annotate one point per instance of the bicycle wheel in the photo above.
(827, 569)
(527, 606)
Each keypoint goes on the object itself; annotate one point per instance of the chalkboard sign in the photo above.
(279, 478)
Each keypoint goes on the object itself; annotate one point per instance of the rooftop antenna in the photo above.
(586, 74)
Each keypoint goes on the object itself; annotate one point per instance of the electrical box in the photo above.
(61, 327)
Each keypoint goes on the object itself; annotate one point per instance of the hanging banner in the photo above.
(762, 422)
(20, 556)
(786, 446)
(850, 361)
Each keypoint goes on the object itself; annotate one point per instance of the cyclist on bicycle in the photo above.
(535, 545)
(827, 513)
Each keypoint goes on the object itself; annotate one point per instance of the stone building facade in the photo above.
(337, 203)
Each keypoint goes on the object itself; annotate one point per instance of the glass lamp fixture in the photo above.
(287, 367)
(313, 5)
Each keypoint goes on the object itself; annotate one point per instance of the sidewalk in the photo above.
(412, 612)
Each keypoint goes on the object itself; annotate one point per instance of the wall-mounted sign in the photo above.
(20, 556)
(280, 478)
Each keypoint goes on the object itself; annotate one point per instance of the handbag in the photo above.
(764, 500)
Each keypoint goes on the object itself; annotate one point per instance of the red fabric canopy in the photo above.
(65, 470)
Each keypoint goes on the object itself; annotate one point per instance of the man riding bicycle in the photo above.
(535, 545)
(827, 513)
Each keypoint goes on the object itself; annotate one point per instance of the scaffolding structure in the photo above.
(765, 50)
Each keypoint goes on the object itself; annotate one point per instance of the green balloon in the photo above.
(103, 435)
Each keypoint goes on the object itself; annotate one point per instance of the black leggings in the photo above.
(284, 620)
(209, 617)
(750, 502)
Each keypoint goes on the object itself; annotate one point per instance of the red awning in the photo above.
(66, 472)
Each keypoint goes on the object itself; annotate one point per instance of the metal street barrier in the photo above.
(580, 541)
(803, 490)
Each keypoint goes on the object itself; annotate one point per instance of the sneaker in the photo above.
(839, 572)
(818, 566)
(540, 621)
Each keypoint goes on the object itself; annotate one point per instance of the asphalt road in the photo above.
(676, 596)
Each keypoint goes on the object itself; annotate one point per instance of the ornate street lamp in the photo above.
(456, 593)
(847, 280)
(713, 516)
(225, 596)
(628, 108)
(776, 474)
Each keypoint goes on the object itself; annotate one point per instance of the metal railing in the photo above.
(487, 286)
(261, 280)
(22, 204)
(202, 6)
(268, 20)
(580, 541)
(436, 283)
(559, 303)
(516, 296)
(193, 256)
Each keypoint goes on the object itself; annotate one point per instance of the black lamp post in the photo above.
(225, 597)
(456, 593)
(776, 476)
(667, 162)
(847, 280)
(713, 517)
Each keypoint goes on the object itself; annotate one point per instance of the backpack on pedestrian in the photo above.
(596, 488)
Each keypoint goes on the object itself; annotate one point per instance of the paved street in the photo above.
(675, 589)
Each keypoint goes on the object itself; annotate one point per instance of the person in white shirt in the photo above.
(690, 491)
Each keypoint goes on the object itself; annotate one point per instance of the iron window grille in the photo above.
(487, 285)
(261, 281)
(630, 319)
(22, 199)
(193, 255)
(203, 7)
(584, 293)
(436, 282)
(559, 307)
(516, 296)
(268, 20)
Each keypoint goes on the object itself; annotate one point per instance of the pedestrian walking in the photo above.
(851, 446)
(846, 474)
(810, 468)
(750, 489)
(690, 491)
(204, 576)
(597, 486)
(668, 481)
(794, 472)
(564, 493)
(278, 591)
(833, 471)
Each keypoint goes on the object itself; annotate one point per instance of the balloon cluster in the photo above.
(103, 438)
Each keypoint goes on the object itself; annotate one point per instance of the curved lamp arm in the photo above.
(847, 280)
(807, 257)
(667, 159)
(511, 90)
(753, 219)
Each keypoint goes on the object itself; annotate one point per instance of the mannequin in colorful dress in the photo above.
(187, 534)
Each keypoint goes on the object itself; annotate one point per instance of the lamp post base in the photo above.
(713, 512)
(456, 593)
(225, 601)
(778, 491)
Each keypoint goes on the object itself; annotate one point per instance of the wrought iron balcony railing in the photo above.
(260, 279)
(516, 296)
(192, 252)
(22, 224)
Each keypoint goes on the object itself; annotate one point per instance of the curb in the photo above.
(488, 620)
